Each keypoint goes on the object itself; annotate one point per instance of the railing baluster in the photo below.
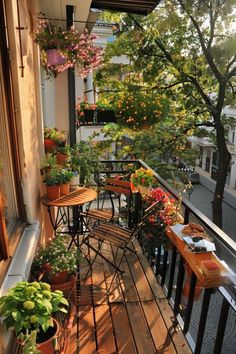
(180, 281)
(164, 267)
(158, 261)
(202, 322)
(189, 307)
(221, 327)
(172, 272)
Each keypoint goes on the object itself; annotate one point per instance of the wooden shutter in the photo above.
(4, 253)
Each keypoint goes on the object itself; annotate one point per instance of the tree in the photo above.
(186, 51)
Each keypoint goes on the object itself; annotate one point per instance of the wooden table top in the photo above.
(194, 260)
(79, 196)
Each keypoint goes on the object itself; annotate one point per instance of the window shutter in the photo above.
(4, 252)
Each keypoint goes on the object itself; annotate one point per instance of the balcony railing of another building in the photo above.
(207, 316)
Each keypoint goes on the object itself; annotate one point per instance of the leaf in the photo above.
(64, 301)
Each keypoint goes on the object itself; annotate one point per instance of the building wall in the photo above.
(28, 112)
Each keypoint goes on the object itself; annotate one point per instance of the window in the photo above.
(12, 211)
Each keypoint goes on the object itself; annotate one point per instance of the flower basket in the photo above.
(62, 49)
(54, 57)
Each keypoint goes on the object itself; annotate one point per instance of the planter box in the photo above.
(97, 117)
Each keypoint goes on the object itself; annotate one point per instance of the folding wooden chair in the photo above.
(117, 236)
(114, 189)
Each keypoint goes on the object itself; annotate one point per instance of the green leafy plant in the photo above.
(52, 178)
(48, 162)
(65, 175)
(28, 308)
(55, 254)
(64, 149)
(78, 50)
(142, 177)
(87, 158)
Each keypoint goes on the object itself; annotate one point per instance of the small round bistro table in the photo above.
(69, 221)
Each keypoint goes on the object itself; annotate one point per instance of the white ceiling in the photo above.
(56, 9)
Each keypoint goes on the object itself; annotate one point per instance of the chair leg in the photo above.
(94, 259)
(98, 253)
(117, 269)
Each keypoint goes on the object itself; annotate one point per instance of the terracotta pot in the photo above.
(68, 288)
(54, 57)
(64, 188)
(61, 158)
(49, 145)
(53, 192)
(133, 188)
(59, 278)
(74, 182)
(143, 190)
(49, 345)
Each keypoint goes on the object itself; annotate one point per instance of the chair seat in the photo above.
(111, 233)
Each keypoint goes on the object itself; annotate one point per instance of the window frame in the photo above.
(10, 239)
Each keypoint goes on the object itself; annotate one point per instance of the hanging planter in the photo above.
(72, 49)
(54, 57)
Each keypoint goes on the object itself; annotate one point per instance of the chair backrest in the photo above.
(118, 186)
(115, 188)
(147, 212)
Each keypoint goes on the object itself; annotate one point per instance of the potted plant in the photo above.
(154, 229)
(75, 168)
(63, 154)
(75, 49)
(88, 161)
(53, 138)
(48, 163)
(57, 265)
(28, 309)
(94, 113)
(65, 178)
(52, 181)
(142, 179)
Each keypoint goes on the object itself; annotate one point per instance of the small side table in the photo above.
(76, 198)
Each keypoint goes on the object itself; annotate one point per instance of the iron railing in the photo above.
(207, 316)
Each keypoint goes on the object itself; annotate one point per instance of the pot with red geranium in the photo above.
(28, 309)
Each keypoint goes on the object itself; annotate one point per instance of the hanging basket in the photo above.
(54, 58)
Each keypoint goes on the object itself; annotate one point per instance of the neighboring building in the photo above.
(207, 164)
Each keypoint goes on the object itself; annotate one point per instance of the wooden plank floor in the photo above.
(134, 318)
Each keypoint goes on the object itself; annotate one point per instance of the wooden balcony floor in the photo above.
(134, 318)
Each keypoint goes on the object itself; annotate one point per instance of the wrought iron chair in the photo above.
(117, 236)
(114, 190)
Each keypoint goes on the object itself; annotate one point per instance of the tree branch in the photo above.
(204, 48)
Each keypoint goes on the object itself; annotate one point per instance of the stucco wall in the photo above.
(28, 115)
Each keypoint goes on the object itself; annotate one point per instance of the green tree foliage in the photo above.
(185, 53)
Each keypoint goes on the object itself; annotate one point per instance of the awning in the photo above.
(141, 7)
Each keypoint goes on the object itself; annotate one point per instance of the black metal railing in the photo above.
(207, 316)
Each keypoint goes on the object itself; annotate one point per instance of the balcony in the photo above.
(149, 308)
